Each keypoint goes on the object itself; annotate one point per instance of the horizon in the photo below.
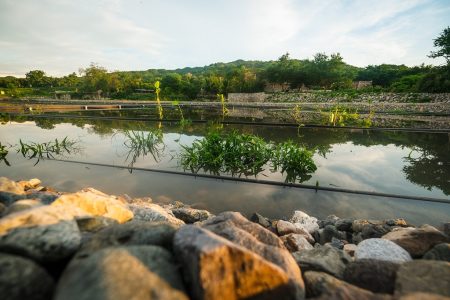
(141, 35)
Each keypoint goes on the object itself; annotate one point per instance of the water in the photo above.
(405, 163)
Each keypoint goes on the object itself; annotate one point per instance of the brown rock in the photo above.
(422, 296)
(296, 242)
(318, 283)
(350, 249)
(10, 191)
(30, 184)
(151, 212)
(352, 293)
(417, 241)
(94, 223)
(191, 215)
(285, 227)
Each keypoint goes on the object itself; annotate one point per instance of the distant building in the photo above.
(357, 85)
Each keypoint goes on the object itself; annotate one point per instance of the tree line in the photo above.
(329, 72)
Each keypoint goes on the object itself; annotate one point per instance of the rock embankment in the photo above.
(90, 245)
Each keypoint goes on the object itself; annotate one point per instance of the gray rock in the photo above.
(44, 197)
(381, 249)
(446, 227)
(215, 268)
(21, 278)
(22, 204)
(338, 244)
(370, 231)
(359, 224)
(10, 191)
(421, 296)
(296, 242)
(134, 272)
(257, 218)
(45, 234)
(94, 223)
(191, 215)
(326, 234)
(2, 208)
(374, 275)
(417, 241)
(303, 220)
(426, 276)
(330, 220)
(130, 234)
(439, 252)
(153, 213)
(323, 259)
(351, 292)
(397, 222)
(344, 225)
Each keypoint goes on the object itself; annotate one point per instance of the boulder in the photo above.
(10, 191)
(45, 233)
(296, 242)
(216, 268)
(426, 276)
(374, 275)
(151, 212)
(439, 252)
(94, 223)
(381, 249)
(263, 221)
(134, 272)
(96, 203)
(23, 204)
(191, 215)
(303, 220)
(318, 283)
(417, 241)
(133, 233)
(323, 259)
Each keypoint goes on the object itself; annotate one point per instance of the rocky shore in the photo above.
(90, 245)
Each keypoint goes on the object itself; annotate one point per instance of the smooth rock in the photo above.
(10, 191)
(381, 249)
(323, 259)
(259, 219)
(426, 276)
(439, 252)
(215, 268)
(374, 275)
(191, 215)
(303, 220)
(21, 278)
(21, 205)
(45, 234)
(94, 223)
(417, 241)
(134, 272)
(296, 242)
(350, 249)
(153, 213)
(96, 203)
(132, 233)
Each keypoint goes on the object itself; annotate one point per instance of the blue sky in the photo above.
(61, 36)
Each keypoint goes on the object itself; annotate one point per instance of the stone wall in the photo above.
(247, 97)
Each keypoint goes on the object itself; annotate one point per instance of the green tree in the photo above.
(442, 42)
(36, 78)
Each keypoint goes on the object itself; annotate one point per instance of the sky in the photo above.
(62, 36)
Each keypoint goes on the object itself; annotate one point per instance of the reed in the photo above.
(49, 149)
(142, 143)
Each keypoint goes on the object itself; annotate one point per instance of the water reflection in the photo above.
(143, 143)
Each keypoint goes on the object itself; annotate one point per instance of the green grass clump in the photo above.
(3, 153)
(142, 143)
(47, 150)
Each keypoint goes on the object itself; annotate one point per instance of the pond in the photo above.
(395, 162)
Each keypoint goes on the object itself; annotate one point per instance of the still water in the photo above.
(406, 163)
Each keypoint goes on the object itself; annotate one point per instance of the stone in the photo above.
(263, 221)
(359, 224)
(381, 249)
(446, 229)
(323, 259)
(417, 241)
(439, 252)
(285, 227)
(374, 275)
(21, 278)
(2, 208)
(370, 231)
(153, 213)
(350, 249)
(94, 223)
(216, 268)
(134, 272)
(191, 215)
(45, 234)
(350, 292)
(10, 191)
(30, 184)
(303, 220)
(397, 222)
(422, 296)
(96, 203)
(23, 204)
(45, 197)
(330, 220)
(338, 244)
(133, 233)
(344, 225)
(426, 276)
(296, 242)
(326, 234)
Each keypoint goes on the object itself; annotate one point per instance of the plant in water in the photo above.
(225, 110)
(142, 143)
(297, 116)
(47, 150)
(183, 122)
(340, 117)
(3, 153)
(157, 91)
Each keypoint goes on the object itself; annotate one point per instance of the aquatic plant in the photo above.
(341, 117)
(3, 153)
(183, 122)
(49, 149)
(142, 143)
(297, 116)
(225, 110)
(160, 109)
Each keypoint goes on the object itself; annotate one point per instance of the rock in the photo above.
(215, 268)
(94, 223)
(330, 220)
(10, 191)
(350, 249)
(417, 241)
(446, 227)
(426, 276)
(397, 222)
(96, 203)
(44, 197)
(191, 215)
(374, 275)
(422, 296)
(360, 224)
(285, 227)
(326, 234)
(303, 220)
(133, 233)
(21, 205)
(296, 242)
(2, 209)
(153, 213)
(323, 259)
(439, 252)
(318, 283)
(21, 278)
(344, 225)
(350, 292)
(45, 234)
(338, 244)
(257, 218)
(381, 249)
(30, 184)
(370, 231)
(134, 272)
